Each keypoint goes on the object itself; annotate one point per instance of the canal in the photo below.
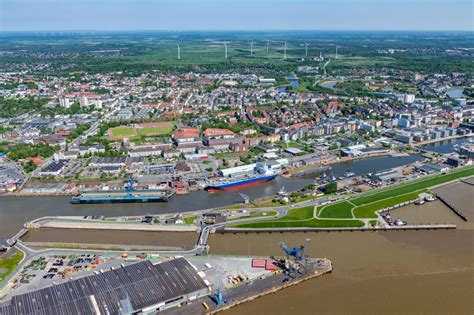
(15, 211)
(446, 146)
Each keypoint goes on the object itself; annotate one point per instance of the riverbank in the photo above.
(251, 296)
(376, 273)
(15, 211)
(355, 211)
(440, 140)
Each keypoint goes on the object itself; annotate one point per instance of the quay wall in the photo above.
(275, 289)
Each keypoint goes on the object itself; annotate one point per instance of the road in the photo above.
(324, 67)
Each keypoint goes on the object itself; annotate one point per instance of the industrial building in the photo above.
(137, 288)
(386, 176)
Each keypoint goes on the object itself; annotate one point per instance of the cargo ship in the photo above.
(259, 175)
(129, 195)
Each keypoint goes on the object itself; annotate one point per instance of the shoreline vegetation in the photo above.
(9, 264)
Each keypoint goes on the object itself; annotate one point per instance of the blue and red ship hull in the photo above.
(240, 183)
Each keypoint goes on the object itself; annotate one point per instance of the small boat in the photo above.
(430, 198)
(419, 202)
(349, 174)
(399, 222)
(282, 191)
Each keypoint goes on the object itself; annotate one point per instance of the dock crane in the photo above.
(217, 296)
(296, 259)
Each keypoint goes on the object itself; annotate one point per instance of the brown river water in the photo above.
(406, 272)
(394, 272)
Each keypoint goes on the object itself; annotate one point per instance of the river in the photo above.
(15, 211)
(394, 272)
(409, 272)
(445, 146)
(382, 272)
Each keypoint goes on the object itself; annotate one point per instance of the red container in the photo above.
(259, 263)
(271, 264)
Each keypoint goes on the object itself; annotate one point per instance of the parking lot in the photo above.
(46, 270)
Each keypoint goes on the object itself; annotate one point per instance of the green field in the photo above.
(362, 207)
(189, 219)
(154, 131)
(304, 213)
(368, 210)
(123, 131)
(131, 132)
(313, 223)
(365, 206)
(337, 210)
(302, 217)
(411, 187)
(8, 265)
(256, 214)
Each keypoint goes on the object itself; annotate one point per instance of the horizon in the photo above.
(240, 30)
(242, 15)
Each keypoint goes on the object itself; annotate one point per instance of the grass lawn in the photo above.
(228, 155)
(299, 214)
(368, 210)
(289, 144)
(411, 187)
(301, 199)
(8, 265)
(306, 223)
(365, 206)
(302, 217)
(189, 219)
(337, 210)
(123, 131)
(255, 214)
(154, 131)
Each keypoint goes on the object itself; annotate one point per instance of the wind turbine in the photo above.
(284, 49)
(179, 52)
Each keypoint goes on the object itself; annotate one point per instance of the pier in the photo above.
(342, 229)
(258, 288)
(450, 206)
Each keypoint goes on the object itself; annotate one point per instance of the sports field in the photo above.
(153, 131)
(122, 132)
(158, 129)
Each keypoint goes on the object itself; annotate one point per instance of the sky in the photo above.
(52, 15)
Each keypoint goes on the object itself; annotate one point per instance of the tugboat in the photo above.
(349, 174)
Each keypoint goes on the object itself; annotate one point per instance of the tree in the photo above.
(330, 188)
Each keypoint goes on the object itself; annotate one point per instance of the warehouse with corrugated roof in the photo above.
(137, 288)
